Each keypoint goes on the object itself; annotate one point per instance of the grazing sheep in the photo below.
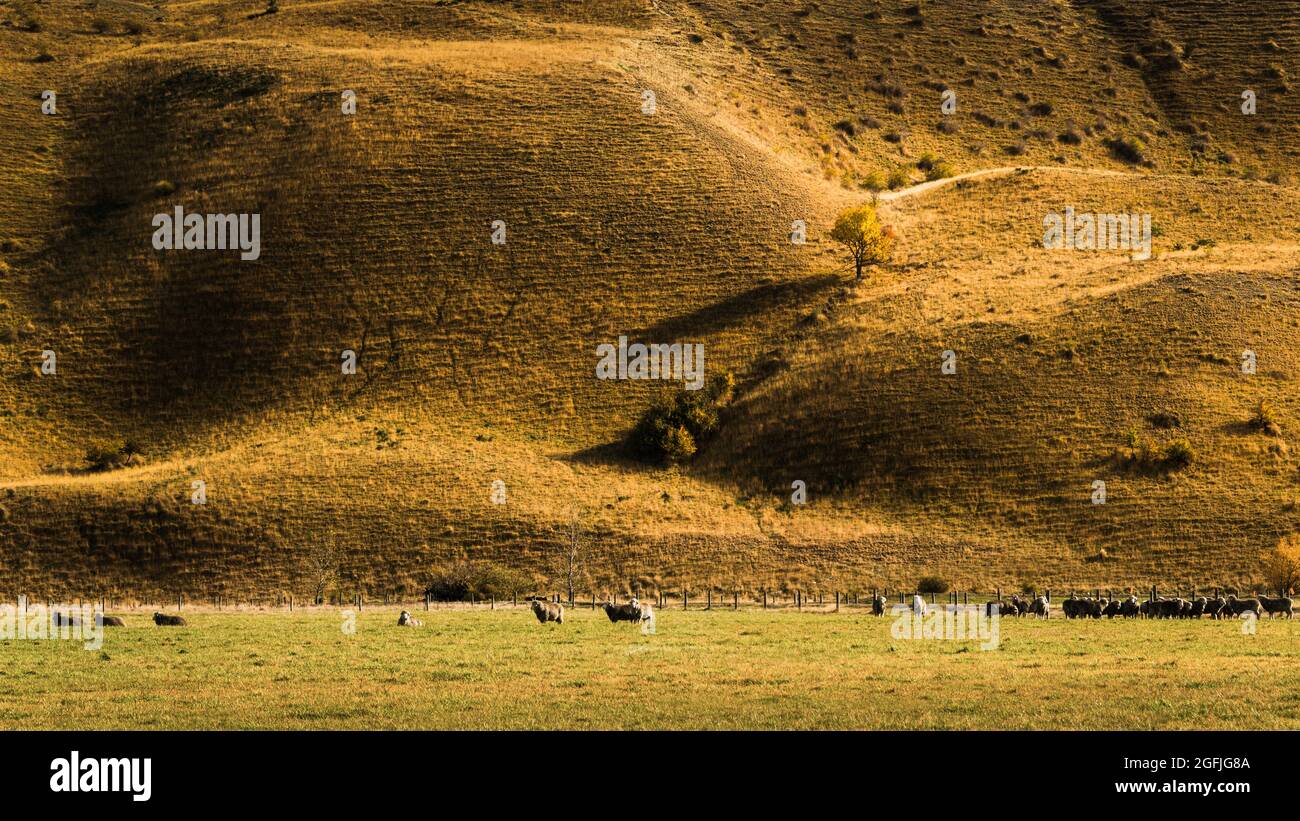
(1278, 605)
(1041, 608)
(405, 620)
(1146, 610)
(1214, 607)
(1070, 607)
(1186, 611)
(164, 620)
(1001, 608)
(878, 605)
(918, 605)
(1130, 608)
(1238, 606)
(109, 621)
(1198, 607)
(549, 611)
(1019, 606)
(1111, 610)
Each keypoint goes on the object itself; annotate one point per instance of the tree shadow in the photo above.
(737, 309)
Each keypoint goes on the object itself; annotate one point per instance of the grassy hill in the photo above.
(476, 360)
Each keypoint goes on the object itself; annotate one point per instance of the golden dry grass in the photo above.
(477, 359)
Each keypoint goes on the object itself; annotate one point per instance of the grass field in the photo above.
(490, 669)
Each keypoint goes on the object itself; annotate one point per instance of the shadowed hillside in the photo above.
(476, 360)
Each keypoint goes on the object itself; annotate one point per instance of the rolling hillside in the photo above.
(476, 360)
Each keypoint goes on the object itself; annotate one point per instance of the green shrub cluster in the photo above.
(673, 428)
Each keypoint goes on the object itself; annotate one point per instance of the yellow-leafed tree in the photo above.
(869, 242)
(1282, 565)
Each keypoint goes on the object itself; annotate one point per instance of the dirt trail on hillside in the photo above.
(1000, 171)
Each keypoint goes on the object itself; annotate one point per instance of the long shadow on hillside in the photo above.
(737, 309)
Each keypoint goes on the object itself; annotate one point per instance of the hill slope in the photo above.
(476, 360)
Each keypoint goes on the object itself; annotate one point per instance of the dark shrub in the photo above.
(672, 428)
(931, 584)
(480, 579)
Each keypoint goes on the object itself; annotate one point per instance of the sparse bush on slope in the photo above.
(114, 455)
(672, 428)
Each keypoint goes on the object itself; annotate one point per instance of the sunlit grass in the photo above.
(750, 669)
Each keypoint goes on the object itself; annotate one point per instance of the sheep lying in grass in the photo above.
(1278, 605)
(548, 611)
(407, 620)
(110, 621)
(164, 620)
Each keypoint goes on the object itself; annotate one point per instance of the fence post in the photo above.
(180, 600)
(709, 599)
(765, 598)
(837, 600)
(735, 600)
(798, 599)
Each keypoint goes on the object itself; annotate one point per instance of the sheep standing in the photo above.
(1278, 605)
(1130, 608)
(634, 611)
(918, 605)
(1238, 606)
(878, 605)
(1041, 608)
(1214, 607)
(548, 611)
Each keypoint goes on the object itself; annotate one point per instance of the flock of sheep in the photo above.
(546, 611)
(1129, 608)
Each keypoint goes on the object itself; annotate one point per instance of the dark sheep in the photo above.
(1111, 610)
(1198, 607)
(1214, 607)
(61, 620)
(1278, 605)
(1238, 606)
(1130, 608)
(1070, 607)
(635, 612)
(164, 620)
(1169, 608)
